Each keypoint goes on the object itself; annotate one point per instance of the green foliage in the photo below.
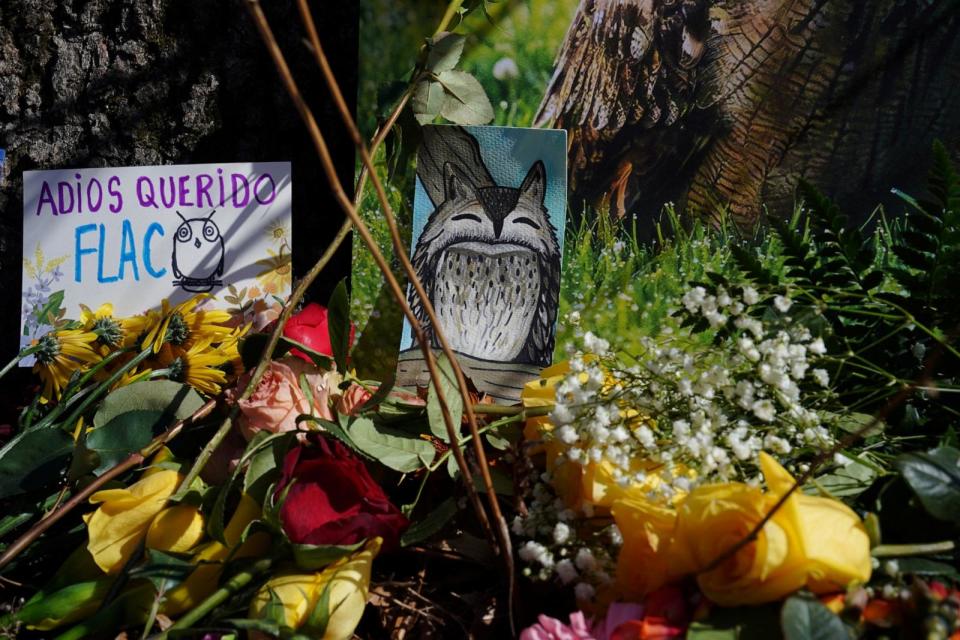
(33, 460)
(884, 299)
(395, 449)
(803, 617)
(736, 623)
(934, 478)
(431, 524)
(452, 397)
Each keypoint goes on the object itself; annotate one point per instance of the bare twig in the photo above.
(120, 468)
(346, 204)
(401, 253)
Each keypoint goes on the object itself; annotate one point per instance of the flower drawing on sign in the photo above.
(278, 233)
(41, 305)
(277, 275)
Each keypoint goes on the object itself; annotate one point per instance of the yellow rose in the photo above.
(346, 583)
(539, 393)
(121, 522)
(211, 556)
(643, 565)
(811, 541)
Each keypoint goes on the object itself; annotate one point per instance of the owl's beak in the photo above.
(196, 243)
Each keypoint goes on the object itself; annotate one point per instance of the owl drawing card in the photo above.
(489, 215)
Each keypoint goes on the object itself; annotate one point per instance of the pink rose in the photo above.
(278, 400)
(353, 398)
(547, 628)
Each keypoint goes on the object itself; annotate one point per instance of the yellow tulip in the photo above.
(811, 541)
(121, 522)
(346, 583)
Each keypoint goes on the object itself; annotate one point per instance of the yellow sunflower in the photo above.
(200, 366)
(184, 324)
(111, 332)
(60, 354)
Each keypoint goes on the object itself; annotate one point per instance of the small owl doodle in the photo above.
(488, 256)
(198, 254)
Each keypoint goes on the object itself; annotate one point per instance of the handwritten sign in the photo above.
(133, 236)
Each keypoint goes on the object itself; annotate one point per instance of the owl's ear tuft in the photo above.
(456, 184)
(534, 187)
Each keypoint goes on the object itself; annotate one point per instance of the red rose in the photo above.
(333, 499)
(310, 327)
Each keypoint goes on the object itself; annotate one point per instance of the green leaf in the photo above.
(114, 441)
(428, 101)
(848, 481)
(49, 312)
(805, 618)
(738, 623)
(67, 604)
(854, 422)
(311, 557)
(264, 468)
(393, 448)
(430, 525)
(935, 479)
(451, 393)
(926, 567)
(163, 570)
(171, 400)
(445, 51)
(32, 460)
(470, 104)
(334, 430)
(338, 324)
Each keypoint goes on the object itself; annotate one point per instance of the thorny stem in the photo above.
(337, 188)
(120, 468)
(503, 536)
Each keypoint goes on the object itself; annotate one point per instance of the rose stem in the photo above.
(121, 467)
(894, 550)
(337, 188)
(234, 584)
(400, 252)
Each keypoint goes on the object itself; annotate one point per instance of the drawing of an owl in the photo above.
(197, 254)
(488, 256)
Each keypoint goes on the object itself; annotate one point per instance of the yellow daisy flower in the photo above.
(111, 332)
(60, 354)
(200, 366)
(185, 323)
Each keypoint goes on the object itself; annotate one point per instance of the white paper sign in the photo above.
(132, 236)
